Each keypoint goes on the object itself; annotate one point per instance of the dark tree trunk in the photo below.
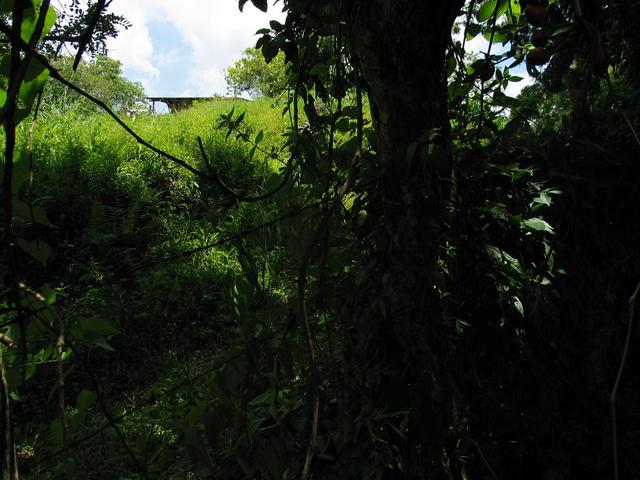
(399, 47)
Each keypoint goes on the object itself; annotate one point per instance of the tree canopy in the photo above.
(252, 74)
(102, 77)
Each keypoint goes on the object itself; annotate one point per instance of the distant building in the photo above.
(176, 104)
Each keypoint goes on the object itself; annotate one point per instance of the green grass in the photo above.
(114, 207)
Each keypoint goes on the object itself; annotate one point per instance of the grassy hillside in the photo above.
(124, 225)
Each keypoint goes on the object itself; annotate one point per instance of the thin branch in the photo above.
(302, 280)
(54, 73)
(60, 342)
(6, 341)
(494, 20)
(113, 424)
(209, 246)
(616, 385)
(17, 72)
(8, 457)
(484, 460)
(88, 33)
(472, 6)
(152, 399)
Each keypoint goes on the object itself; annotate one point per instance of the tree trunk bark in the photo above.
(399, 47)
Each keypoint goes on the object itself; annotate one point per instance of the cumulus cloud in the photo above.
(214, 33)
(182, 48)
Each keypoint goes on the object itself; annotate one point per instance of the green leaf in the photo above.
(20, 174)
(543, 199)
(503, 257)
(517, 304)
(57, 433)
(486, 11)
(503, 100)
(34, 81)
(269, 49)
(260, 4)
(38, 249)
(259, 137)
(473, 29)
(28, 215)
(6, 6)
(31, 20)
(515, 8)
(348, 200)
(97, 327)
(86, 398)
(343, 125)
(102, 343)
(483, 69)
(498, 37)
(197, 451)
(538, 225)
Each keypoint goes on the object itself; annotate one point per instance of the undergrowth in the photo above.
(131, 235)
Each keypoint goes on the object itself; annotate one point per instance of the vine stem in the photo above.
(494, 20)
(616, 385)
(8, 460)
(60, 343)
(302, 278)
(17, 72)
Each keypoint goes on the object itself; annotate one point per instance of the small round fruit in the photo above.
(537, 15)
(538, 56)
(540, 37)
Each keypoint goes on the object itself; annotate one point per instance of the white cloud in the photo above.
(216, 33)
(514, 88)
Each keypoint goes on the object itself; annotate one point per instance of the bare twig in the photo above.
(18, 67)
(6, 341)
(484, 460)
(302, 280)
(494, 20)
(8, 457)
(616, 385)
(88, 33)
(54, 73)
(113, 424)
(152, 399)
(217, 243)
(60, 342)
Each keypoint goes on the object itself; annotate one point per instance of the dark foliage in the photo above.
(437, 281)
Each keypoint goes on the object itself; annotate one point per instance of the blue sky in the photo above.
(182, 47)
